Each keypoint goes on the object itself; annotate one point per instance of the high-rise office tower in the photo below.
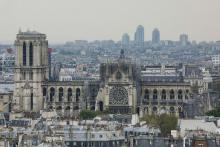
(139, 35)
(125, 39)
(183, 39)
(156, 36)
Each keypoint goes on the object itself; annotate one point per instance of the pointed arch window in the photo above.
(32, 101)
(172, 96)
(163, 94)
(155, 94)
(24, 54)
(44, 91)
(77, 94)
(187, 94)
(60, 94)
(52, 93)
(31, 54)
(69, 94)
(146, 94)
(180, 94)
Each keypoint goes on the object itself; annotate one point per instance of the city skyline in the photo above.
(96, 20)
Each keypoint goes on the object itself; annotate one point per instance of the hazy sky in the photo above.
(68, 20)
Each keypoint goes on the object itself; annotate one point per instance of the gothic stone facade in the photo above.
(121, 88)
(31, 70)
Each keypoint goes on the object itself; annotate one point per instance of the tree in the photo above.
(87, 114)
(215, 112)
(167, 123)
(164, 122)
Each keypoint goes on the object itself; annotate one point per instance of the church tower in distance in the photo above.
(31, 70)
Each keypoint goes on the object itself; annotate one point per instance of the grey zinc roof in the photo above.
(5, 88)
(162, 78)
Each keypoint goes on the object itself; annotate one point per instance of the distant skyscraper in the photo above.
(183, 40)
(139, 35)
(125, 39)
(156, 36)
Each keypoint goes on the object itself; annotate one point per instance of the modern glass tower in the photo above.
(156, 36)
(139, 35)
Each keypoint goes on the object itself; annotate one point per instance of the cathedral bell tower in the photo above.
(31, 69)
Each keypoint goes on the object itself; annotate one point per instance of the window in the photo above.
(32, 101)
(146, 94)
(77, 94)
(180, 94)
(52, 93)
(187, 94)
(154, 109)
(155, 94)
(31, 54)
(172, 109)
(44, 91)
(60, 94)
(24, 54)
(69, 94)
(163, 94)
(172, 94)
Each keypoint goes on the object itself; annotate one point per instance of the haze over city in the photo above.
(109, 73)
(101, 19)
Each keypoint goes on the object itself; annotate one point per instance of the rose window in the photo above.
(118, 96)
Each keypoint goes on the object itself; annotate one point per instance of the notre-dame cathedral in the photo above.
(122, 87)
